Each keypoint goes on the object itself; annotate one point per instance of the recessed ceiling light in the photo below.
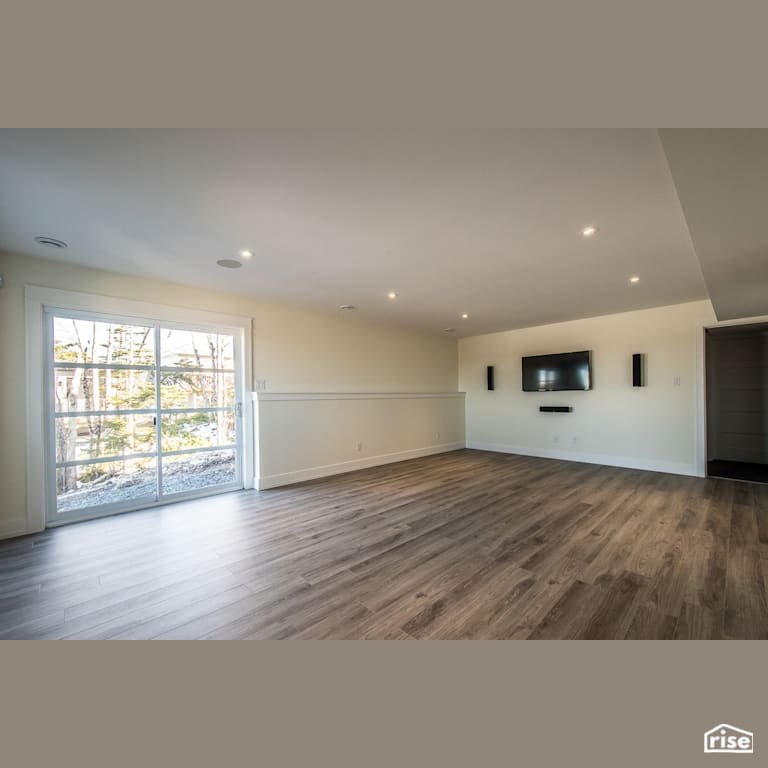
(464, 315)
(347, 306)
(229, 264)
(392, 295)
(246, 254)
(449, 330)
(589, 231)
(51, 242)
(634, 279)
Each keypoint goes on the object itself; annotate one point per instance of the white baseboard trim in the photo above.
(11, 528)
(313, 473)
(628, 462)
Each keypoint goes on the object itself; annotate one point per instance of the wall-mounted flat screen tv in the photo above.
(557, 373)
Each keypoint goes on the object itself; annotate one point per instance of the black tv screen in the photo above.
(556, 373)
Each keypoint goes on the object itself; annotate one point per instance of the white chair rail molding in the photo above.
(305, 435)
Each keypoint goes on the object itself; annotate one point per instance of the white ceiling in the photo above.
(721, 177)
(477, 223)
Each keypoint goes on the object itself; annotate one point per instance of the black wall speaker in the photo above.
(489, 374)
(638, 370)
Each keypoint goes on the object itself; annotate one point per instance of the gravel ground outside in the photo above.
(193, 473)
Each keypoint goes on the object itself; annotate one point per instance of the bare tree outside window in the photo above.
(115, 394)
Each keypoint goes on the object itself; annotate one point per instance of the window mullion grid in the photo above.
(86, 414)
(140, 411)
(105, 459)
(109, 366)
(158, 419)
(191, 369)
(158, 370)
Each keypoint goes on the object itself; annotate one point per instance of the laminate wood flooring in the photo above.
(467, 544)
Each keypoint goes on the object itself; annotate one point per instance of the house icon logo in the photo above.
(729, 739)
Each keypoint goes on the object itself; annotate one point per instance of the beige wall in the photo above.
(294, 350)
(653, 427)
(315, 436)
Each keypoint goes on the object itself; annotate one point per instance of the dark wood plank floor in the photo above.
(463, 545)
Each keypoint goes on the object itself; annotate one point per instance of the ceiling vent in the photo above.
(50, 242)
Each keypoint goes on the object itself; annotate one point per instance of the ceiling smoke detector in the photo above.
(229, 264)
(50, 242)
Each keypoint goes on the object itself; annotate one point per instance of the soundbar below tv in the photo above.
(557, 373)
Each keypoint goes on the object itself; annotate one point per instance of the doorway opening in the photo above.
(737, 402)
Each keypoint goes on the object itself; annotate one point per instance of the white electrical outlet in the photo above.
(676, 381)
(260, 385)
(359, 447)
(556, 439)
(437, 435)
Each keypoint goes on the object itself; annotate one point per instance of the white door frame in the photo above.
(701, 386)
(39, 302)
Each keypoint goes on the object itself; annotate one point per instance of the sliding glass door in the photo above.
(198, 411)
(140, 413)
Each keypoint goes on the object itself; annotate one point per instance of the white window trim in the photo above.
(38, 300)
